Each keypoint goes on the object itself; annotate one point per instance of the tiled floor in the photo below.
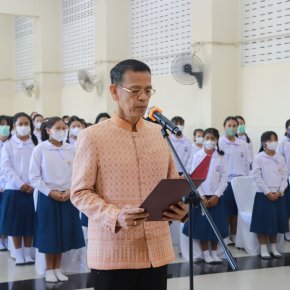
(253, 274)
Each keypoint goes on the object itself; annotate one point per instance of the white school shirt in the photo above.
(284, 150)
(51, 167)
(270, 173)
(236, 154)
(195, 148)
(38, 136)
(216, 180)
(183, 147)
(15, 158)
(72, 141)
(250, 148)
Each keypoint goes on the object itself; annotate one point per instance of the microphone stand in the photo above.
(193, 200)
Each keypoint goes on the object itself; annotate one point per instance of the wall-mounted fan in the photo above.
(88, 82)
(187, 69)
(30, 88)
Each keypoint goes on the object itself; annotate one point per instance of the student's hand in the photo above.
(278, 194)
(176, 213)
(56, 195)
(213, 201)
(205, 202)
(130, 216)
(65, 195)
(25, 187)
(30, 190)
(271, 196)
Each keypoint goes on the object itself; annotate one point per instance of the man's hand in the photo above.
(176, 213)
(130, 216)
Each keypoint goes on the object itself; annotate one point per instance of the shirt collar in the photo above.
(46, 144)
(235, 142)
(126, 125)
(16, 140)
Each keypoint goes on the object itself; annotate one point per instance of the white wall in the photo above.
(6, 71)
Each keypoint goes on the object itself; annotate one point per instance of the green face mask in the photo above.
(241, 129)
(231, 132)
(4, 130)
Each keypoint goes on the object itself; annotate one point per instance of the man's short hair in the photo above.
(119, 69)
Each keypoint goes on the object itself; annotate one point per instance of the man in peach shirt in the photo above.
(118, 163)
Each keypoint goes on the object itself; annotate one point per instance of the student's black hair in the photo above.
(37, 115)
(119, 69)
(72, 119)
(266, 136)
(14, 120)
(6, 119)
(197, 130)
(65, 116)
(48, 125)
(247, 137)
(177, 119)
(230, 118)
(287, 124)
(33, 113)
(100, 116)
(216, 134)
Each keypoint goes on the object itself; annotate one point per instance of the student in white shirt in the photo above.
(182, 145)
(270, 215)
(4, 134)
(37, 120)
(17, 213)
(197, 140)
(241, 134)
(284, 150)
(58, 227)
(211, 191)
(75, 126)
(236, 154)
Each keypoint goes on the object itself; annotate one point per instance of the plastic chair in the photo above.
(244, 191)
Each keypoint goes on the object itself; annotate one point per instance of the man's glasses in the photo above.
(137, 92)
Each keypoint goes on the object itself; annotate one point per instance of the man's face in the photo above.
(130, 105)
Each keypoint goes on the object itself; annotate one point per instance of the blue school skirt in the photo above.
(58, 227)
(229, 201)
(287, 197)
(269, 217)
(17, 213)
(201, 228)
(84, 220)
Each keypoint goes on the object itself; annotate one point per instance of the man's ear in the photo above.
(113, 90)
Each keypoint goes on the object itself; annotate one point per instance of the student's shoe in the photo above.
(60, 277)
(19, 258)
(217, 260)
(2, 246)
(208, 258)
(275, 252)
(27, 256)
(50, 276)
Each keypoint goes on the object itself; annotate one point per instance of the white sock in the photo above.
(50, 276)
(60, 276)
(19, 258)
(27, 255)
(264, 251)
(233, 238)
(275, 251)
(207, 257)
(215, 256)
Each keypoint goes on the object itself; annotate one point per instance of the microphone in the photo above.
(154, 113)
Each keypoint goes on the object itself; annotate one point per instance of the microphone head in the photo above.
(151, 111)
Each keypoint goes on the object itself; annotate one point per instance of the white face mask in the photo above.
(272, 145)
(75, 131)
(37, 125)
(208, 144)
(199, 140)
(23, 130)
(58, 135)
(181, 128)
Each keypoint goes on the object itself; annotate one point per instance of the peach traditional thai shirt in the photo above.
(114, 167)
